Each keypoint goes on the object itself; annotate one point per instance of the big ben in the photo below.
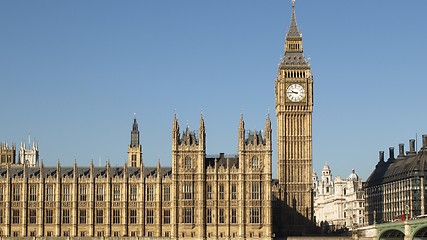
(294, 107)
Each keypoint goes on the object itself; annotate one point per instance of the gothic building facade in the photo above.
(294, 107)
(200, 196)
(338, 202)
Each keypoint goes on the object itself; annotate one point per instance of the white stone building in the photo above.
(338, 203)
(29, 156)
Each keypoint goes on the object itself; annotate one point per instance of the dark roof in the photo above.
(227, 161)
(293, 28)
(18, 170)
(404, 167)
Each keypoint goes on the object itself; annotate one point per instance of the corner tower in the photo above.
(134, 148)
(294, 107)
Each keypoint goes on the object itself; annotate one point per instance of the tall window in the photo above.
(15, 216)
(221, 191)
(83, 193)
(150, 193)
(66, 193)
(255, 215)
(133, 216)
(150, 216)
(33, 193)
(16, 192)
(32, 218)
(100, 193)
(133, 192)
(116, 193)
(116, 216)
(133, 160)
(187, 216)
(66, 216)
(233, 191)
(1, 216)
(1, 194)
(99, 216)
(167, 216)
(187, 163)
(221, 215)
(49, 193)
(209, 191)
(255, 163)
(187, 189)
(82, 216)
(209, 215)
(167, 194)
(233, 215)
(255, 190)
(49, 216)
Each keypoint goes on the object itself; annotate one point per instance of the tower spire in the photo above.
(134, 142)
(293, 28)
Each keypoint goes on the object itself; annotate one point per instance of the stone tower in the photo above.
(188, 181)
(294, 106)
(7, 154)
(30, 156)
(134, 148)
(255, 148)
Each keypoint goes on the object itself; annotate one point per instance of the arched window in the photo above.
(345, 191)
(187, 162)
(255, 162)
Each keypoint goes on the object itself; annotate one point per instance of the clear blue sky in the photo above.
(73, 73)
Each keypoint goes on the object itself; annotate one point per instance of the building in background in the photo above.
(396, 189)
(338, 202)
(29, 156)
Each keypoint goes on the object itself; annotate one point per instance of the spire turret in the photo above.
(293, 28)
(134, 141)
(293, 45)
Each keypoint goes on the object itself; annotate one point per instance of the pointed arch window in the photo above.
(255, 162)
(187, 162)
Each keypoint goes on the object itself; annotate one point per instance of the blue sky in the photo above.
(73, 73)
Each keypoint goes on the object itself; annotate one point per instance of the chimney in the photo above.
(391, 153)
(412, 146)
(401, 150)
(381, 156)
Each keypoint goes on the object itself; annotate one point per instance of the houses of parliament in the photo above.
(200, 196)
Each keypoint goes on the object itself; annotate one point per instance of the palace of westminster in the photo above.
(210, 196)
(201, 196)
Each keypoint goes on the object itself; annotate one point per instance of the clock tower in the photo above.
(294, 107)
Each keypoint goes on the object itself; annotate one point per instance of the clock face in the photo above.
(295, 92)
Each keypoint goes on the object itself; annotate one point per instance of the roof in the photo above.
(293, 28)
(18, 170)
(404, 167)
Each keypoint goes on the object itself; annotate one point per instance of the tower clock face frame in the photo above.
(295, 92)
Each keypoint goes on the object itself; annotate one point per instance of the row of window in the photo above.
(100, 193)
(100, 214)
(83, 193)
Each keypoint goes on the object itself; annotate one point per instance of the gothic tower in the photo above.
(30, 156)
(188, 181)
(294, 106)
(134, 148)
(255, 148)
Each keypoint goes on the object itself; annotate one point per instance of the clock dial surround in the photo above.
(295, 92)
